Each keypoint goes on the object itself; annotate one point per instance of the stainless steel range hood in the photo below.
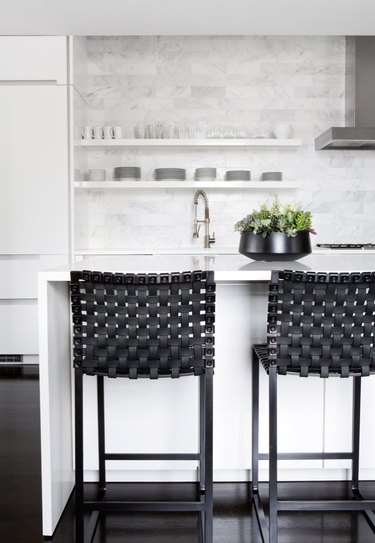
(359, 132)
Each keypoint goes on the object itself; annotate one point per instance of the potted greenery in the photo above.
(275, 232)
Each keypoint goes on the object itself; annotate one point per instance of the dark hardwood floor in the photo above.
(20, 494)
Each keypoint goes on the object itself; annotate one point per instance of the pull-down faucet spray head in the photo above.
(197, 223)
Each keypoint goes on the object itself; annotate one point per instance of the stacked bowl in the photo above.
(170, 174)
(238, 175)
(205, 174)
(127, 173)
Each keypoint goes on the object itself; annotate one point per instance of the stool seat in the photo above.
(143, 326)
(318, 324)
(261, 351)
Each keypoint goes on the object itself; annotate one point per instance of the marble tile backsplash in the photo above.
(246, 81)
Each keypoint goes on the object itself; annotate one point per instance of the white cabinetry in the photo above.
(18, 300)
(33, 58)
(337, 424)
(19, 327)
(19, 274)
(34, 167)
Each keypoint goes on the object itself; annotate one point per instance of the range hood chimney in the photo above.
(359, 132)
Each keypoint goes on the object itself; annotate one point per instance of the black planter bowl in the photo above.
(275, 246)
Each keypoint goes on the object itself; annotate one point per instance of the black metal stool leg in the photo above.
(273, 454)
(202, 429)
(356, 424)
(101, 432)
(208, 455)
(78, 398)
(255, 424)
(356, 421)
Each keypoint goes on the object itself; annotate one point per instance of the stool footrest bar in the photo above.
(309, 456)
(325, 505)
(112, 506)
(151, 456)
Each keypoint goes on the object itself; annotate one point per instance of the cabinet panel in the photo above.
(19, 327)
(33, 169)
(33, 58)
(19, 273)
(338, 419)
(367, 452)
(300, 418)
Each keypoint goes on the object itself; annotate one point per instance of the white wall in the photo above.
(255, 82)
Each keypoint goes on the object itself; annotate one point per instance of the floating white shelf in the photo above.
(191, 251)
(258, 142)
(155, 185)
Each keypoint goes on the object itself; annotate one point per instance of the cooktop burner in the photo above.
(346, 245)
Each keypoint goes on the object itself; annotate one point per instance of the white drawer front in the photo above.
(33, 58)
(19, 273)
(19, 327)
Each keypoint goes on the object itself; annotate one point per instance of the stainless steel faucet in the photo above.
(197, 223)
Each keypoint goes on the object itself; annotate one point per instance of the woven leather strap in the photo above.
(321, 323)
(146, 325)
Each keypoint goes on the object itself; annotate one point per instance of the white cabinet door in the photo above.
(33, 169)
(338, 423)
(19, 274)
(338, 420)
(367, 452)
(19, 327)
(33, 58)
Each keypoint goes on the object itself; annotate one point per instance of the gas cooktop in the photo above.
(346, 245)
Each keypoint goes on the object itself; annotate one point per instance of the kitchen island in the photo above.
(319, 407)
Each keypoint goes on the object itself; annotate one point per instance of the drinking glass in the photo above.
(139, 131)
(151, 131)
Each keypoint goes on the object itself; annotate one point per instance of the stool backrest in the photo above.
(322, 323)
(143, 325)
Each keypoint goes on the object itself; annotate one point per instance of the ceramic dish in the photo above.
(271, 176)
(238, 175)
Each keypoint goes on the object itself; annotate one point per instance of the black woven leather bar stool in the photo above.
(318, 324)
(151, 326)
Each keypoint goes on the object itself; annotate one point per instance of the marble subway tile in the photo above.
(320, 92)
(125, 67)
(255, 92)
(207, 92)
(222, 79)
(208, 68)
(173, 69)
(172, 92)
(160, 104)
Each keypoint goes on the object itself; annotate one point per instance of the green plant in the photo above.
(276, 217)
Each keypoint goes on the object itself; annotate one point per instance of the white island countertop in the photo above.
(227, 267)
